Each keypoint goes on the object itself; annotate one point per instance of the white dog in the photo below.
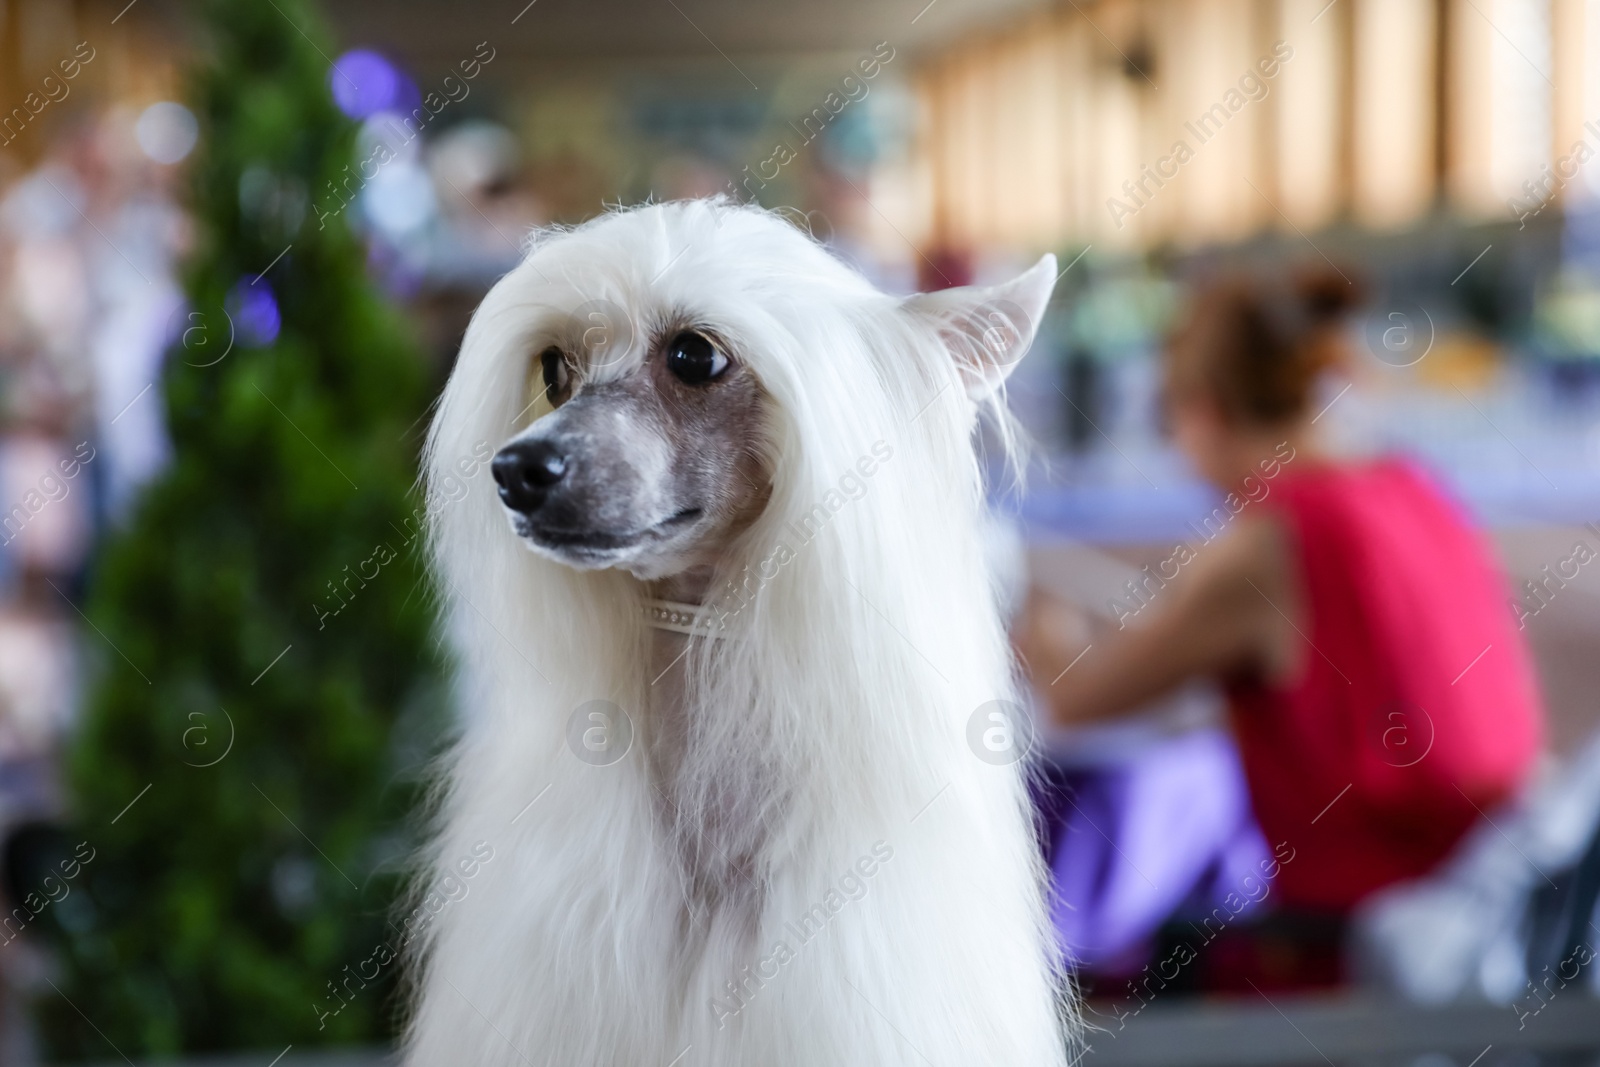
(732, 673)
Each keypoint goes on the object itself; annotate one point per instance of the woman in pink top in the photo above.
(1379, 690)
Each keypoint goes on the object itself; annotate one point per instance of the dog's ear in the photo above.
(988, 328)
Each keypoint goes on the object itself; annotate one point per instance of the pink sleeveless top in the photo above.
(1415, 707)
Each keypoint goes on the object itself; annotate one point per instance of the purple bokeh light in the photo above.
(254, 311)
(364, 82)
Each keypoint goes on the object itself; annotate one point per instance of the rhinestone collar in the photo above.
(690, 619)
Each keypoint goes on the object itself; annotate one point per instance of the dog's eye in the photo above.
(554, 364)
(694, 360)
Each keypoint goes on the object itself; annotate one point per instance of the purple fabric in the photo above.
(1128, 842)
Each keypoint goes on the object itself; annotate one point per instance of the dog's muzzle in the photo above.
(577, 501)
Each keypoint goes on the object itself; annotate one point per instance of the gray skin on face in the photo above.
(658, 474)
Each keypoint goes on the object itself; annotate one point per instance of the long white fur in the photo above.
(837, 714)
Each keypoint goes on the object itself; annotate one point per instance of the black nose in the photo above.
(525, 471)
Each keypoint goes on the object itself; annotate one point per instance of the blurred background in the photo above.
(240, 240)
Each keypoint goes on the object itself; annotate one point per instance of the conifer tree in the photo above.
(268, 686)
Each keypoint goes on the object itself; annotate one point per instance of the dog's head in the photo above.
(652, 452)
(655, 354)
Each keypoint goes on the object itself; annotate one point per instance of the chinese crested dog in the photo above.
(731, 668)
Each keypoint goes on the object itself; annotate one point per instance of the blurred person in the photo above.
(94, 236)
(39, 672)
(1379, 694)
(47, 299)
(140, 303)
(486, 206)
(46, 497)
(47, 485)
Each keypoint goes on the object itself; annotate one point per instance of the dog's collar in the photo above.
(690, 619)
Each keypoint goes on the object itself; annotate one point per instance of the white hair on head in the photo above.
(830, 728)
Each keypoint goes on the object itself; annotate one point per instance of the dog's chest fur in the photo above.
(717, 793)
